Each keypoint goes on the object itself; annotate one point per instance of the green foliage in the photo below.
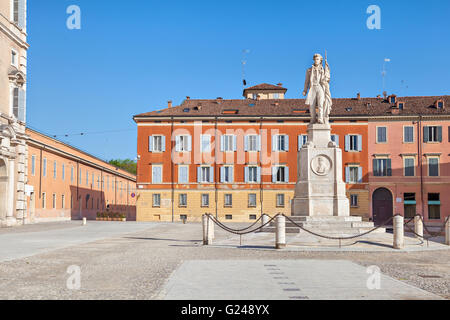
(126, 164)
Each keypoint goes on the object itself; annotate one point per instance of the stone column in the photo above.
(418, 226)
(280, 233)
(205, 227)
(399, 240)
(10, 219)
(447, 232)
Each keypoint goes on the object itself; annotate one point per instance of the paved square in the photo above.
(282, 279)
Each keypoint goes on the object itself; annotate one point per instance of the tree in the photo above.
(126, 164)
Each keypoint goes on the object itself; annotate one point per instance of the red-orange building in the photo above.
(66, 183)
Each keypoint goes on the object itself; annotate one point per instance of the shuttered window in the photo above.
(432, 134)
(409, 167)
(381, 134)
(353, 143)
(408, 134)
(382, 167)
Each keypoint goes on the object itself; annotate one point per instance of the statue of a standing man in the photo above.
(318, 83)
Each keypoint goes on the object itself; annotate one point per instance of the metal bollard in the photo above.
(447, 232)
(280, 233)
(84, 221)
(205, 228)
(264, 219)
(418, 227)
(399, 235)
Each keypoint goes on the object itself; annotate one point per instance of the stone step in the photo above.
(342, 232)
(325, 218)
(327, 225)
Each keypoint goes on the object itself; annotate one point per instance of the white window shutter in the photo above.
(211, 174)
(222, 143)
(246, 174)
(234, 143)
(360, 175)
(347, 174)
(199, 174)
(286, 143)
(231, 174)
(336, 140)
(177, 144)
(347, 142)
(274, 174)
(286, 174)
(274, 143)
(22, 14)
(22, 105)
(258, 139)
(245, 143)
(150, 143)
(189, 143)
(300, 142)
(258, 174)
(359, 142)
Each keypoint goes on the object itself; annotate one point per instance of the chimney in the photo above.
(385, 94)
(169, 104)
(188, 98)
(279, 84)
(258, 97)
(358, 96)
(219, 99)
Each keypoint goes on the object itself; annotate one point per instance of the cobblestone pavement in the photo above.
(137, 265)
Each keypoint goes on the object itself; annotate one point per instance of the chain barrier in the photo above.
(339, 238)
(432, 234)
(240, 231)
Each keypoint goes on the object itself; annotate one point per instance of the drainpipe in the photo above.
(215, 166)
(171, 172)
(261, 192)
(419, 151)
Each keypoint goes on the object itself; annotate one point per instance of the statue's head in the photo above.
(317, 59)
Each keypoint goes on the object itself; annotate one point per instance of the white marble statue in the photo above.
(318, 83)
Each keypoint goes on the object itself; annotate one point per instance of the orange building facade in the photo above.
(65, 183)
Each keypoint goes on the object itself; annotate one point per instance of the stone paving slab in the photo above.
(41, 239)
(282, 279)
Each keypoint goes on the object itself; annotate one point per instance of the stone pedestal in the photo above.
(320, 190)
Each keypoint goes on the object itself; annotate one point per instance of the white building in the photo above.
(13, 148)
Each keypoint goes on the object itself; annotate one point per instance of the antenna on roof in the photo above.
(244, 63)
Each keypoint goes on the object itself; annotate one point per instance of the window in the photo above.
(228, 217)
(44, 167)
(205, 174)
(252, 200)
(14, 58)
(183, 143)
(44, 200)
(432, 134)
(302, 140)
(280, 200)
(228, 200)
(54, 201)
(434, 206)
(71, 174)
(409, 203)
(156, 174)
(205, 141)
(408, 134)
(54, 169)
(252, 217)
(280, 143)
(205, 200)
(183, 217)
(409, 166)
(252, 174)
(433, 167)
(381, 134)
(33, 165)
(280, 174)
(276, 96)
(63, 202)
(382, 167)
(157, 144)
(226, 174)
(353, 142)
(63, 172)
(252, 143)
(228, 143)
(353, 174)
(87, 178)
(183, 174)
(156, 200)
(440, 104)
(354, 200)
(182, 200)
(335, 139)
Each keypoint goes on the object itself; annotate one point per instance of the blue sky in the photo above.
(133, 56)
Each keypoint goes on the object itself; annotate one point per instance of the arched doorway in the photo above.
(3, 189)
(382, 206)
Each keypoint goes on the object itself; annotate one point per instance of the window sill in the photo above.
(227, 206)
(280, 206)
